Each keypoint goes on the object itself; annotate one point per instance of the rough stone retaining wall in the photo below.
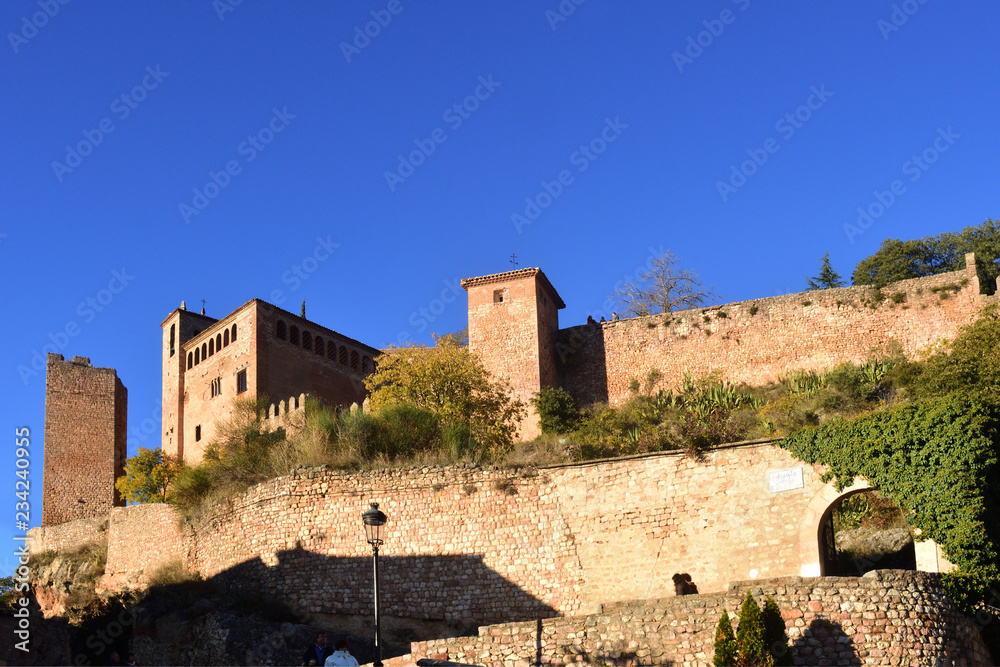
(902, 619)
(141, 539)
(68, 536)
(760, 340)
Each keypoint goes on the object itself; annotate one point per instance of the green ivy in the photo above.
(937, 459)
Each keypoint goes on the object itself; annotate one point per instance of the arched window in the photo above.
(211, 346)
(331, 351)
(218, 343)
(197, 359)
(190, 360)
(293, 335)
(365, 363)
(307, 340)
(225, 338)
(204, 351)
(279, 330)
(234, 333)
(343, 356)
(173, 335)
(318, 348)
(354, 359)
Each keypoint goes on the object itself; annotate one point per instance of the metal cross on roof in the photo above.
(513, 260)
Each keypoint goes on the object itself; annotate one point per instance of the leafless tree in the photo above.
(662, 287)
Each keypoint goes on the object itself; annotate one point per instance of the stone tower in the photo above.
(85, 420)
(513, 320)
(179, 327)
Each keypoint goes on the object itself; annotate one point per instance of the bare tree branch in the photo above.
(662, 288)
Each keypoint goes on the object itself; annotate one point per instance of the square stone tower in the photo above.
(513, 320)
(85, 420)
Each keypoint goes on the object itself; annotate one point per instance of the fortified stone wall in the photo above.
(758, 341)
(85, 427)
(897, 618)
(141, 539)
(68, 536)
(465, 543)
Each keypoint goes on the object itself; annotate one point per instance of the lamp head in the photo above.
(374, 520)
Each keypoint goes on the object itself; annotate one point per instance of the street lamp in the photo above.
(374, 520)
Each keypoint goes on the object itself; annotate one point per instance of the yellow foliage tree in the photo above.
(147, 476)
(451, 382)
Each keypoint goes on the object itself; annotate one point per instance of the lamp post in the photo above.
(374, 520)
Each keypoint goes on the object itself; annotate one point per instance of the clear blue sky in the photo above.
(93, 183)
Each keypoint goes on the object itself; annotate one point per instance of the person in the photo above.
(342, 656)
(114, 659)
(131, 660)
(318, 652)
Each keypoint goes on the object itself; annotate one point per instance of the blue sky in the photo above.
(219, 151)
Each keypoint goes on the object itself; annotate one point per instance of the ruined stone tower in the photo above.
(513, 320)
(85, 420)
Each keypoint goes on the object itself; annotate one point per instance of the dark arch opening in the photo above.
(331, 351)
(864, 531)
(218, 342)
(225, 338)
(190, 360)
(318, 349)
(211, 346)
(279, 330)
(307, 340)
(293, 335)
(234, 333)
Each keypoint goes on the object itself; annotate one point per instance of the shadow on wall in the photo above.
(582, 363)
(825, 643)
(460, 589)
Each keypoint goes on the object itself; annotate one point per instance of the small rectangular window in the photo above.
(498, 296)
(173, 337)
(241, 382)
(197, 433)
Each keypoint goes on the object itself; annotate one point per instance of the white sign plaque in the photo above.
(784, 480)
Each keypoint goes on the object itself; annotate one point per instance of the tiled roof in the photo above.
(513, 275)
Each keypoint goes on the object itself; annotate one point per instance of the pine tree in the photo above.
(303, 313)
(751, 640)
(777, 638)
(725, 642)
(827, 277)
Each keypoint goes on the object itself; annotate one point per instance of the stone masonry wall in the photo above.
(560, 542)
(85, 429)
(141, 539)
(760, 340)
(68, 536)
(887, 618)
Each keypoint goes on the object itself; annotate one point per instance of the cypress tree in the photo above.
(725, 642)
(751, 640)
(777, 638)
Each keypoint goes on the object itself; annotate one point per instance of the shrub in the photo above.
(777, 637)
(751, 636)
(557, 410)
(725, 642)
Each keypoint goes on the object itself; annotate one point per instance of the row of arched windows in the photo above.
(211, 346)
(317, 345)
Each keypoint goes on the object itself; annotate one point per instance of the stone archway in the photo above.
(812, 523)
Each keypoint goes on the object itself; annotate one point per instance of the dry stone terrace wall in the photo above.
(760, 340)
(141, 539)
(903, 619)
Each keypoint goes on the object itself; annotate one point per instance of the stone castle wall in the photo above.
(142, 539)
(467, 543)
(85, 429)
(896, 618)
(759, 341)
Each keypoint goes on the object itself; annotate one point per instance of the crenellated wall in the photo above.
(759, 341)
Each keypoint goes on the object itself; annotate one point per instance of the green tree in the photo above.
(827, 277)
(557, 410)
(302, 313)
(777, 637)
(7, 593)
(725, 642)
(751, 637)
(147, 476)
(451, 382)
(930, 255)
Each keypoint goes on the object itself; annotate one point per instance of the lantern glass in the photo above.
(374, 520)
